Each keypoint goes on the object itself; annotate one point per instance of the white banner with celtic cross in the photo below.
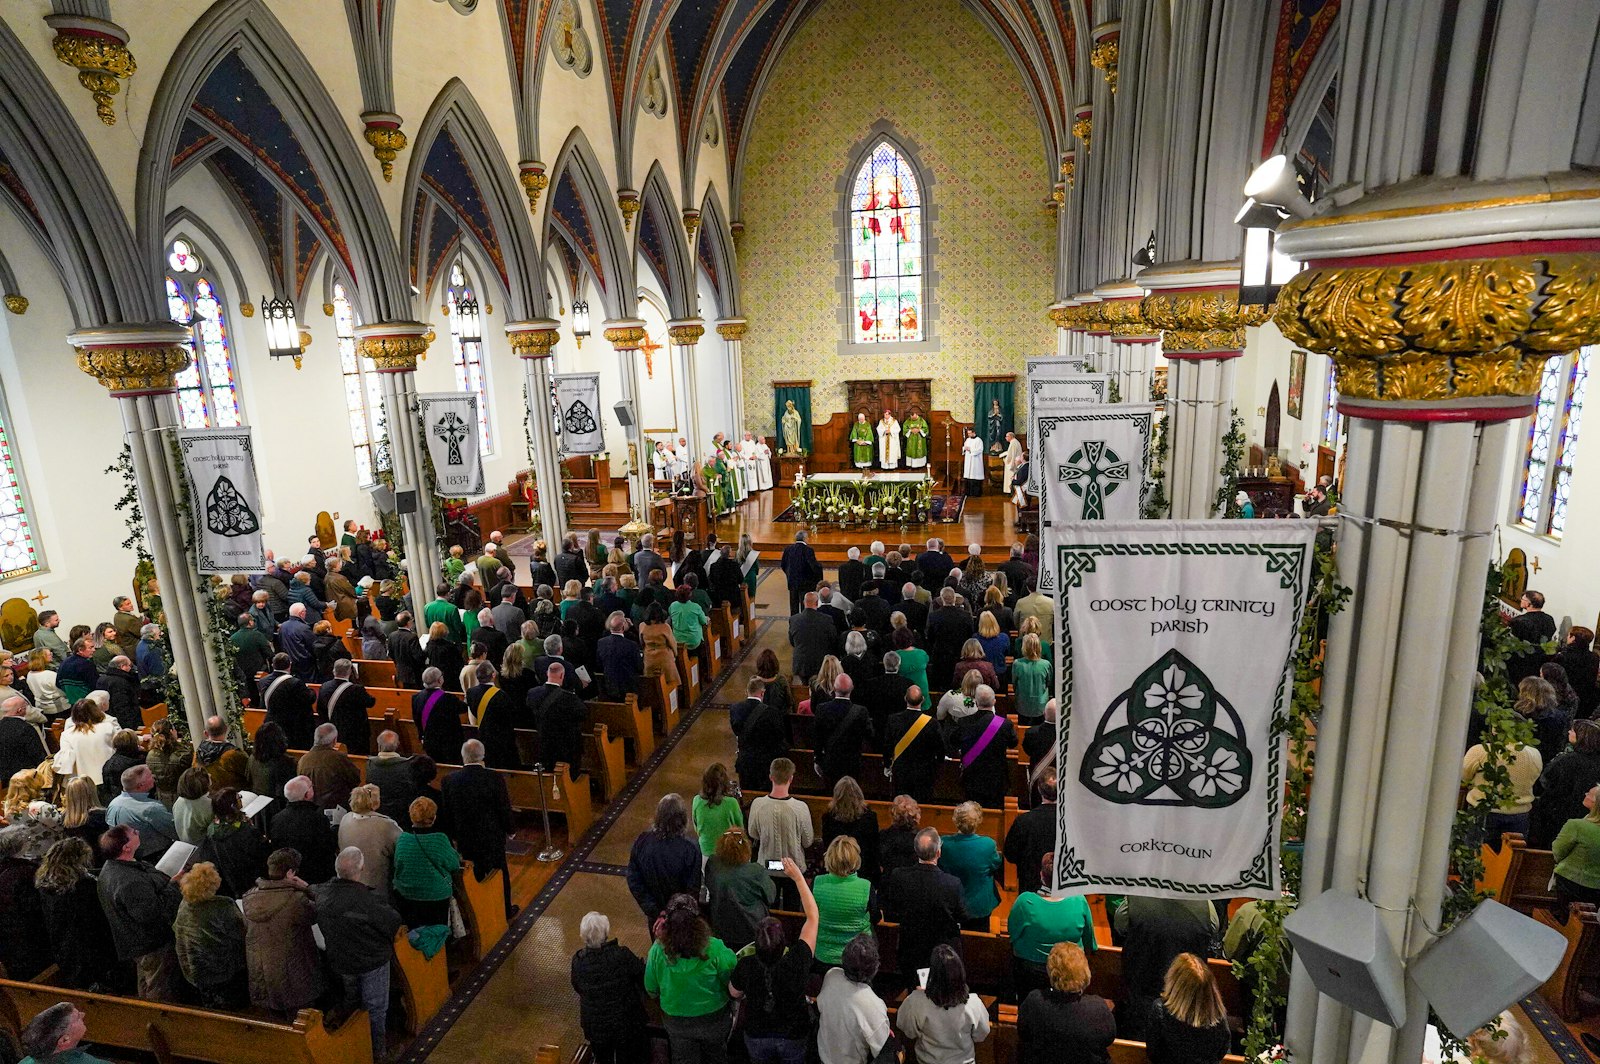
(1174, 654)
(219, 467)
(1056, 391)
(1094, 462)
(578, 413)
(449, 425)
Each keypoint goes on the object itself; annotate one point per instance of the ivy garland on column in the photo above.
(1113, 392)
(535, 523)
(1156, 506)
(1226, 502)
(128, 504)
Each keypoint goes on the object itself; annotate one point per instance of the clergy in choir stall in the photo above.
(716, 481)
(972, 462)
(763, 460)
(1019, 480)
(747, 458)
(888, 441)
(861, 442)
(1013, 459)
(916, 429)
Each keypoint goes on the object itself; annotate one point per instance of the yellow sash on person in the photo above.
(910, 736)
(484, 701)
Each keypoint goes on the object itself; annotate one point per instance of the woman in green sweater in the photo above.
(688, 970)
(715, 809)
(913, 662)
(1030, 680)
(688, 620)
(1039, 920)
(975, 860)
(847, 904)
(1577, 855)
(424, 868)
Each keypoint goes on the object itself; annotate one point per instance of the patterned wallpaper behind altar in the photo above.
(947, 86)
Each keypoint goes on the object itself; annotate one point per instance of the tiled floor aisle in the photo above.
(529, 1002)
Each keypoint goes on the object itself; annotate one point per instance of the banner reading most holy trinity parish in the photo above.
(450, 429)
(578, 413)
(1170, 779)
(219, 466)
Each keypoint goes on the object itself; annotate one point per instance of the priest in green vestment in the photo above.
(724, 488)
(861, 442)
(916, 430)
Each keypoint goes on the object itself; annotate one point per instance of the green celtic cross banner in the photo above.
(1092, 473)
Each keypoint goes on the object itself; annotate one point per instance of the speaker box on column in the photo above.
(624, 412)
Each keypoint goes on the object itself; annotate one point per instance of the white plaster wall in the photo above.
(1265, 360)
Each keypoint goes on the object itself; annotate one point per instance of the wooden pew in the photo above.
(747, 612)
(424, 984)
(1525, 877)
(995, 822)
(192, 1033)
(629, 721)
(376, 673)
(1003, 1047)
(689, 669)
(666, 698)
(483, 907)
(874, 784)
(1581, 962)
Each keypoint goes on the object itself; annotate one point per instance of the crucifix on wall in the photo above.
(649, 347)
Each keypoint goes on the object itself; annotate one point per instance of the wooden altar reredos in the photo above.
(830, 448)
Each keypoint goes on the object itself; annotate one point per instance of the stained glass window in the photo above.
(1332, 420)
(363, 396)
(18, 553)
(1552, 447)
(468, 354)
(208, 391)
(886, 249)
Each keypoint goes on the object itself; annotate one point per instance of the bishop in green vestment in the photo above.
(861, 443)
(916, 430)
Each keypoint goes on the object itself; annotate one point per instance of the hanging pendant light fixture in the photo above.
(580, 320)
(469, 325)
(283, 330)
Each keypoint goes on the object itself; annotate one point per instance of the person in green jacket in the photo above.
(688, 620)
(442, 611)
(715, 809)
(1030, 680)
(688, 970)
(1577, 856)
(209, 934)
(1037, 922)
(847, 904)
(975, 860)
(424, 868)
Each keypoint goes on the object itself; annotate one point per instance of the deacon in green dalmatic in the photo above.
(916, 430)
(861, 442)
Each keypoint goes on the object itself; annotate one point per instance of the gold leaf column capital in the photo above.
(626, 334)
(133, 359)
(531, 175)
(732, 328)
(98, 50)
(394, 346)
(16, 304)
(383, 133)
(628, 203)
(533, 339)
(1103, 55)
(686, 332)
(1083, 124)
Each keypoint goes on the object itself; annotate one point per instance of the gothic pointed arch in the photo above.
(662, 243)
(582, 204)
(716, 254)
(244, 41)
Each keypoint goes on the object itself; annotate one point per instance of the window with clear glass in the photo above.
(208, 390)
(363, 396)
(886, 249)
(468, 353)
(1552, 446)
(19, 554)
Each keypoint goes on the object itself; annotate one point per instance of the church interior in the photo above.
(802, 277)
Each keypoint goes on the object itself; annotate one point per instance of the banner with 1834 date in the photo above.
(450, 429)
(1175, 646)
(219, 466)
(578, 413)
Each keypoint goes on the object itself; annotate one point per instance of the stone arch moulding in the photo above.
(679, 282)
(577, 158)
(885, 131)
(455, 111)
(716, 242)
(249, 28)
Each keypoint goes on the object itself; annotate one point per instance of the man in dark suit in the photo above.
(478, 817)
(287, 701)
(570, 564)
(916, 770)
(618, 659)
(827, 607)
(935, 565)
(876, 607)
(407, 654)
(344, 703)
(553, 656)
(926, 902)
(987, 736)
(508, 616)
(1534, 626)
(590, 622)
(21, 745)
(852, 574)
(302, 825)
(813, 637)
(916, 612)
(1019, 574)
(763, 734)
(801, 568)
(390, 771)
(646, 559)
(840, 730)
(885, 694)
(561, 718)
(949, 626)
(725, 578)
(1032, 835)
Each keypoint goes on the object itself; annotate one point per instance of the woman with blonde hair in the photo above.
(82, 817)
(975, 860)
(822, 683)
(1063, 1022)
(571, 591)
(994, 640)
(373, 834)
(752, 572)
(1189, 1024)
(1030, 680)
(210, 940)
(516, 678)
(848, 816)
(594, 552)
(847, 905)
(974, 659)
(961, 702)
(994, 602)
(47, 697)
(86, 741)
(445, 656)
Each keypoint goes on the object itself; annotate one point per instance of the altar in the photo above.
(867, 499)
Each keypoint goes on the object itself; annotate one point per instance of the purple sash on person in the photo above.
(983, 741)
(427, 708)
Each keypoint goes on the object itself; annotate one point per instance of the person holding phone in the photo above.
(771, 982)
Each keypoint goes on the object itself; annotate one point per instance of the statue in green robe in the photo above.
(916, 430)
(861, 442)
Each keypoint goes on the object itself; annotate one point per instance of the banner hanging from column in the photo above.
(219, 466)
(1053, 394)
(450, 428)
(1053, 364)
(1171, 780)
(1094, 462)
(578, 413)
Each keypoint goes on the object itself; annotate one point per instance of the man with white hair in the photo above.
(21, 745)
(561, 718)
(438, 716)
(980, 740)
(607, 975)
(390, 771)
(302, 826)
(478, 817)
(646, 559)
(852, 574)
(301, 591)
(493, 639)
(149, 656)
(297, 640)
(121, 684)
(618, 659)
(935, 564)
(358, 927)
(287, 701)
(344, 703)
(553, 647)
(875, 554)
(331, 772)
(508, 615)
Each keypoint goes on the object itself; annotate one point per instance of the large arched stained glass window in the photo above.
(886, 249)
(468, 354)
(363, 396)
(1552, 446)
(19, 555)
(208, 391)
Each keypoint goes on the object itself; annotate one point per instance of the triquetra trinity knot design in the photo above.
(227, 514)
(579, 418)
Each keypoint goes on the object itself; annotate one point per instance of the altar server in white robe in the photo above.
(681, 456)
(763, 465)
(972, 463)
(889, 441)
(661, 459)
(1013, 459)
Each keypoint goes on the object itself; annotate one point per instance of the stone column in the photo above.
(137, 364)
(533, 342)
(625, 335)
(1131, 337)
(394, 348)
(1438, 350)
(1087, 320)
(685, 333)
(1196, 307)
(1062, 320)
(732, 331)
